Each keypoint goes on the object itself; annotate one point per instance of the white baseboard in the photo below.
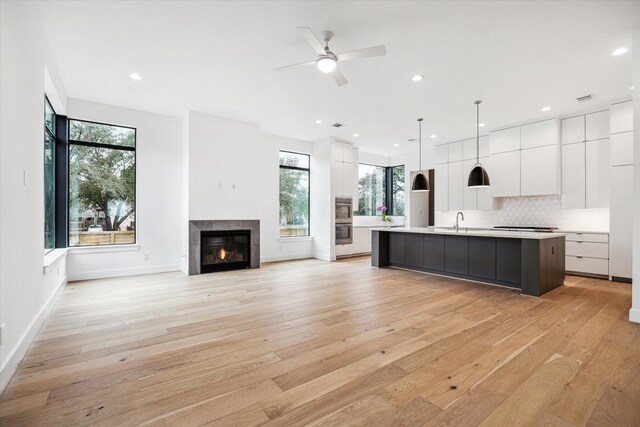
(119, 272)
(15, 357)
(634, 315)
(285, 257)
(323, 257)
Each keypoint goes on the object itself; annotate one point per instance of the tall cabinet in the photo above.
(621, 197)
(585, 161)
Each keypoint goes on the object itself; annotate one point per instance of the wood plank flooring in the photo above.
(315, 343)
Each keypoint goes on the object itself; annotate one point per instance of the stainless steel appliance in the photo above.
(344, 210)
(525, 228)
(344, 234)
(344, 220)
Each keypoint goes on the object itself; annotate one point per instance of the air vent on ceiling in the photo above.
(412, 140)
(585, 98)
(337, 125)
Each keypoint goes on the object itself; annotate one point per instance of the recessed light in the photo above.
(545, 109)
(136, 76)
(481, 125)
(417, 77)
(396, 145)
(631, 88)
(620, 51)
(434, 136)
(355, 135)
(318, 121)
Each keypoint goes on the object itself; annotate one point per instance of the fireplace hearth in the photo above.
(224, 250)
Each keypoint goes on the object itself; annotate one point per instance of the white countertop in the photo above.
(473, 232)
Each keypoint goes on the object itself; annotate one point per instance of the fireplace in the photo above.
(206, 236)
(223, 250)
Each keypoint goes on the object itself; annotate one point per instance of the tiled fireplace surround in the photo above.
(197, 226)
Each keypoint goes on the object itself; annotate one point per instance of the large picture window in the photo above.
(102, 184)
(294, 194)
(380, 186)
(49, 177)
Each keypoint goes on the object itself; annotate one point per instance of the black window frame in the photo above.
(71, 142)
(52, 134)
(308, 170)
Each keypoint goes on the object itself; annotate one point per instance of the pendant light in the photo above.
(420, 182)
(478, 178)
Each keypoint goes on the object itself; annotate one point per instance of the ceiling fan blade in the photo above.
(339, 78)
(363, 53)
(313, 40)
(302, 64)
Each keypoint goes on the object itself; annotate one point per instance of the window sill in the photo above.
(295, 239)
(100, 249)
(53, 258)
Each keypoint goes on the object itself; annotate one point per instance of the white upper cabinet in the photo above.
(455, 151)
(597, 125)
(539, 171)
(504, 140)
(597, 173)
(455, 186)
(442, 187)
(573, 130)
(622, 149)
(485, 201)
(469, 149)
(539, 134)
(442, 154)
(342, 152)
(347, 153)
(469, 195)
(504, 174)
(621, 117)
(573, 176)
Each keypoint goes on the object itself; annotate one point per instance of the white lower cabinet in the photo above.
(504, 173)
(442, 187)
(621, 221)
(361, 240)
(455, 186)
(539, 171)
(587, 253)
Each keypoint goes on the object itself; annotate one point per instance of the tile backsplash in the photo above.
(538, 211)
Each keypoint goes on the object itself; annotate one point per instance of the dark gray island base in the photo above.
(531, 262)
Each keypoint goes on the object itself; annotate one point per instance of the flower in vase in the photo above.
(383, 210)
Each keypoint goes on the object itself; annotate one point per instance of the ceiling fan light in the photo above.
(420, 183)
(326, 64)
(478, 178)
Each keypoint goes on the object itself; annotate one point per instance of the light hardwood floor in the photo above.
(315, 343)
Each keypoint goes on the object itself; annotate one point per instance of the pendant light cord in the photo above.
(478, 131)
(420, 144)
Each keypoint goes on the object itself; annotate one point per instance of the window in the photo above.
(294, 194)
(102, 184)
(49, 177)
(396, 206)
(380, 186)
(371, 189)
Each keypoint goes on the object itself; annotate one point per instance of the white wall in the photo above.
(634, 313)
(322, 207)
(27, 291)
(158, 196)
(234, 174)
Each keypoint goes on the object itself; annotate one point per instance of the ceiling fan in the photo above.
(327, 60)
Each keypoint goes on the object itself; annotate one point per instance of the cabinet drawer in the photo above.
(587, 237)
(587, 249)
(587, 265)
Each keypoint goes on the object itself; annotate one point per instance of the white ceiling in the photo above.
(218, 57)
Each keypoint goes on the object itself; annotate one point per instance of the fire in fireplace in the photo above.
(224, 250)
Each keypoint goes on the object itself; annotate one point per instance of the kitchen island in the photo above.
(531, 262)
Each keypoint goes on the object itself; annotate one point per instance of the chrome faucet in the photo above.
(458, 215)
